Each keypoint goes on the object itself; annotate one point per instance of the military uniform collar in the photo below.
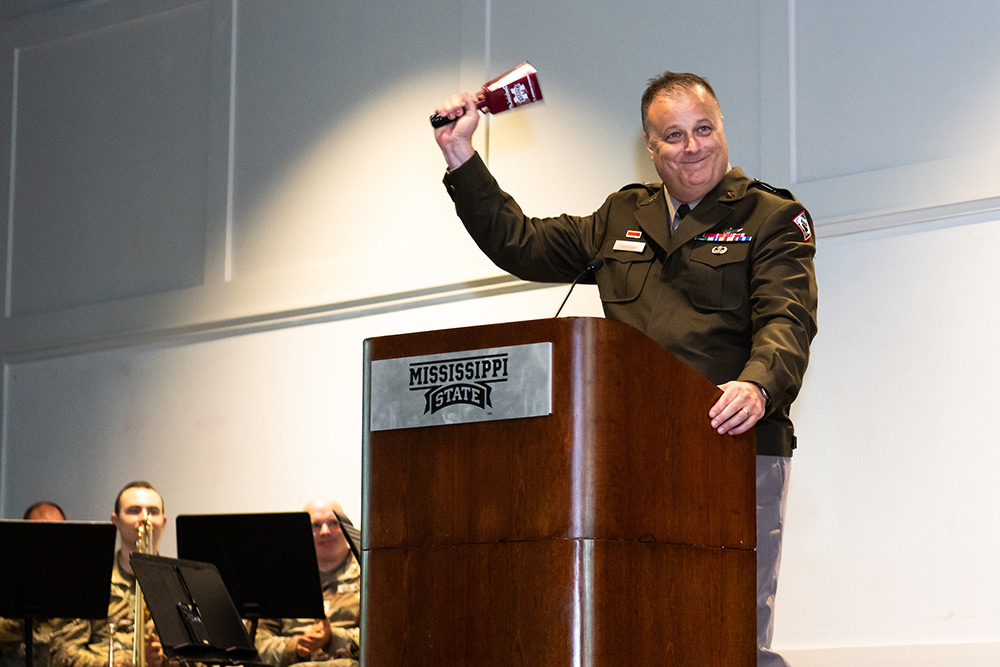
(118, 573)
(653, 218)
(732, 187)
(653, 213)
(712, 210)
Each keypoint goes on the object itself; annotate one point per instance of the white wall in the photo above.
(256, 422)
(213, 203)
(889, 135)
(893, 499)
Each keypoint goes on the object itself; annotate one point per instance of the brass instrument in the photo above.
(111, 645)
(143, 545)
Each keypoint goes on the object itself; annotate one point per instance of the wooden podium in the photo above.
(619, 529)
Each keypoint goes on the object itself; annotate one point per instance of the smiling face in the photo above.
(331, 545)
(685, 138)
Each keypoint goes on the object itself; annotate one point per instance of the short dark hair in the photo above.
(43, 503)
(138, 484)
(667, 83)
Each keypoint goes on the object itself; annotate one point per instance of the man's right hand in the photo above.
(455, 139)
(154, 652)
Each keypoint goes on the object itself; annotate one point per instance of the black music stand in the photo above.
(54, 569)
(195, 618)
(267, 561)
(351, 534)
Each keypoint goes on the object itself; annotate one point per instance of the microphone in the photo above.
(591, 268)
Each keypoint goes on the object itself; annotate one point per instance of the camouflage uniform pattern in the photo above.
(276, 639)
(85, 643)
(12, 642)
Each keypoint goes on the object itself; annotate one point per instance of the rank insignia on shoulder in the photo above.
(802, 222)
(651, 191)
(652, 187)
(781, 192)
(728, 236)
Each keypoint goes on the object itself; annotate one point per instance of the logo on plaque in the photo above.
(466, 381)
(510, 382)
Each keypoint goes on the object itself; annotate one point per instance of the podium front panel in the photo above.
(618, 529)
(560, 603)
(626, 453)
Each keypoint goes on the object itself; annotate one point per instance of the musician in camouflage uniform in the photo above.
(11, 629)
(87, 643)
(332, 641)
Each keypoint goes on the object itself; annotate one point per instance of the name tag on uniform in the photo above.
(629, 246)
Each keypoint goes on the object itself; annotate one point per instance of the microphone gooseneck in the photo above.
(591, 268)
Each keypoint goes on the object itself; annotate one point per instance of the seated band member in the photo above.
(12, 629)
(44, 510)
(96, 643)
(332, 641)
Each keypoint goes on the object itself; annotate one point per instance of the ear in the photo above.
(649, 147)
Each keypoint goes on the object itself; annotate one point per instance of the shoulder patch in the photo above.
(781, 192)
(802, 222)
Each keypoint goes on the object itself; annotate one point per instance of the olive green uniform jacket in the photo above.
(731, 292)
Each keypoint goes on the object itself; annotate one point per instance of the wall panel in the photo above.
(116, 160)
(881, 112)
(109, 190)
(890, 515)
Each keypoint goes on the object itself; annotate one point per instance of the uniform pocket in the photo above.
(719, 276)
(624, 273)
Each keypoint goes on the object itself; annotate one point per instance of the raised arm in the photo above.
(455, 139)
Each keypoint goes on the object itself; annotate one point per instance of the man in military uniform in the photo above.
(12, 642)
(44, 510)
(714, 266)
(12, 629)
(331, 641)
(90, 643)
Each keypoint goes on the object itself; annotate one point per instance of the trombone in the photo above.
(143, 545)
